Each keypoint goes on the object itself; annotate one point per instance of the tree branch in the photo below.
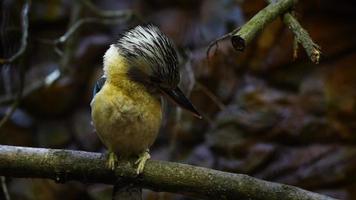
(261, 19)
(302, 37)
(242, 36)
(66, 165)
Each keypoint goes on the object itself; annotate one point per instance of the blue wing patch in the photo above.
(98, 85)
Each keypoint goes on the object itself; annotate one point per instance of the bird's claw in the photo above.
(112, 160)
(141, 161)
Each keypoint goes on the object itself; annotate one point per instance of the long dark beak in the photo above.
(177, 96)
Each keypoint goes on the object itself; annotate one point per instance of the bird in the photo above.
(139, 69)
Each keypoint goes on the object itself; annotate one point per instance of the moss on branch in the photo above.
(302, 37)
(265, 16)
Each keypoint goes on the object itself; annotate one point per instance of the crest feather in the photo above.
(148, 46)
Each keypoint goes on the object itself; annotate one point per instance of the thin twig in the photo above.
(66, 165)
(37, 85)
(211, 95)
(107, 13)
(17, 100)
(69, 48)
(77, 25)
(24, 25)
(216, 42)
(61, 40)
(9, 113)
(4, 188)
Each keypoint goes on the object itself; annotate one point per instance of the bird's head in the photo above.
(147, 56)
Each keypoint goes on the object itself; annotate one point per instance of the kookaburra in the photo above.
(126, 108)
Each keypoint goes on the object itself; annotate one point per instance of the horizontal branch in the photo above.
(66, 165)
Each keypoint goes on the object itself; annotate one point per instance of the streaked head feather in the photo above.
(151, 53)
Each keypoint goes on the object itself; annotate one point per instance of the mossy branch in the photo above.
(67, 165)
(265, 16)
(242, 36)
(301, 36)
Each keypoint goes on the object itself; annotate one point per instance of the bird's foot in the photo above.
(141, 161)
(112, 160)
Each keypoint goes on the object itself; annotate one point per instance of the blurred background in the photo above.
(265, 114)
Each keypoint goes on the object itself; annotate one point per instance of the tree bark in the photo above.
(88, 167)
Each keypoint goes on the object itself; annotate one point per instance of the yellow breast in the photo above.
(127, 118)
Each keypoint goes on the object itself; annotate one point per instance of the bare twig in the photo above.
(117, 18)
(4, 188)
(24, 25)
(69, 48)
(104, 17)
(26, 91)
(77, 25)
(17, 99)
(216, 42)
(10, 111)
(107, 13)
(35, 86)
(66, 165)
(80, 23)
(211, 95)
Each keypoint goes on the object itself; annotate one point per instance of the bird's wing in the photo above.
(98, 85)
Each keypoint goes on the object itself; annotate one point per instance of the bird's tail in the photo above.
(126, 192)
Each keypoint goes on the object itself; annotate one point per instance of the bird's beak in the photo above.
(177, 96)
